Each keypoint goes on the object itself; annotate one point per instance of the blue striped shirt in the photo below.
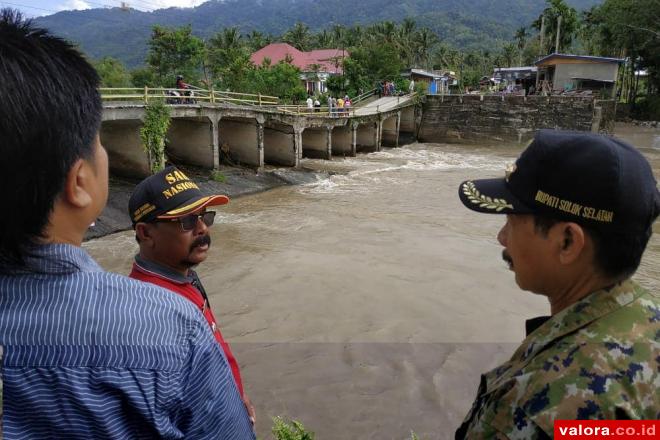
(90, 354)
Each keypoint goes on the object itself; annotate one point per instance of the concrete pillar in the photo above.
(354, 140)
(329, 141)
(398, 127)
(298, 144)
(215, 121)
(260, 143)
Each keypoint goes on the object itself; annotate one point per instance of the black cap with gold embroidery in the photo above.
(168, 194)
(594, 180)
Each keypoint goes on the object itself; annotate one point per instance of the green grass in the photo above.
(219, 177)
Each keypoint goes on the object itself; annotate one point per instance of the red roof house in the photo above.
(328, 60)
(316, 66)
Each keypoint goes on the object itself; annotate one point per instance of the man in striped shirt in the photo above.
(171, 224)
(86, 354)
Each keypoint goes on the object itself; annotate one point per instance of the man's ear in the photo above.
(572, 242)
(144, 233)
(77, 184)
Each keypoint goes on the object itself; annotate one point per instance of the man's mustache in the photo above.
(201, 241)
(506, 257)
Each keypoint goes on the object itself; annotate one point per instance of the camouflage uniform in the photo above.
(597, 359)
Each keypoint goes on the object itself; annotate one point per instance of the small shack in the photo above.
(439, 81)
(559, 73)
(516, 79)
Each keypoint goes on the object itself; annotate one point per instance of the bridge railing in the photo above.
(322, 112)
(363, 96)
(184, 96)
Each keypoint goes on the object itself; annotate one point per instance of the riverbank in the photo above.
(231, 181)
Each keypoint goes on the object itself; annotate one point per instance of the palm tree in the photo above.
(338, 35)
(521, 38)
(509, 54)
(405, 40)
(298, 36)
(323, 40)
(569, 25)
(424, 40)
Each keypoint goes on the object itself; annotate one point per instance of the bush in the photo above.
(218, 177)
(293, 430)
(648, 108)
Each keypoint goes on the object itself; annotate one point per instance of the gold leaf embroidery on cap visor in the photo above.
(475, 197)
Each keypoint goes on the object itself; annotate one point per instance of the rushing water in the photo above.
(366, 304)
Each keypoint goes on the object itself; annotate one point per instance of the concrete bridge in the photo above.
(207, 134)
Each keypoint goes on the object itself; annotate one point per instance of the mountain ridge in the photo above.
(124, 34)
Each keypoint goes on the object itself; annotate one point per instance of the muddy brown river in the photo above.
(366, 305)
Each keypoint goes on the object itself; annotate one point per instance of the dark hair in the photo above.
(615, 255)
(51, 112)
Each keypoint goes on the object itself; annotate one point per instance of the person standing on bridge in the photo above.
(171, 225)
(87, 354)
(579, 213)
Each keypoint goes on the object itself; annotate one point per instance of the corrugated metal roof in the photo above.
(580, 57)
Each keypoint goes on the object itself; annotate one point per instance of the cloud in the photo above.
(73, 4)
(159, 4)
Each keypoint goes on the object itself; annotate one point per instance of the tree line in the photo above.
(620, 28)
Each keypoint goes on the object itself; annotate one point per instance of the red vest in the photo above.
(187, 290)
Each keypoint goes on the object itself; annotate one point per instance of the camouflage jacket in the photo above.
(597, 359)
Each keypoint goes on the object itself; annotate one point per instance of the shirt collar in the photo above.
(162, 271)
(57, 259)
(588, 309)
(534, 323)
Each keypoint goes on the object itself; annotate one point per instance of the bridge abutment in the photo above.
(282, 144)
(239, 139)
(367, 137)
(191, 141)
(126, 156)
(317, 142)
(390, 131)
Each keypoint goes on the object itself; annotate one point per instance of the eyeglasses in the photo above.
(188, 222)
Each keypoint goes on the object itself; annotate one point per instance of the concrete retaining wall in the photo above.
(466, 118)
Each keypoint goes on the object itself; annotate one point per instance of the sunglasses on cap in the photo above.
(188, 222)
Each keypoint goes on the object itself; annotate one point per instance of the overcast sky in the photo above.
(47, 7)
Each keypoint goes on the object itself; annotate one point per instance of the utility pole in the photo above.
(558, 31)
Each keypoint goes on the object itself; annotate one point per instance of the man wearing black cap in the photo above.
(580, 209)
(171, 225)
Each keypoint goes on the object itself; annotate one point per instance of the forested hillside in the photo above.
(123, 34)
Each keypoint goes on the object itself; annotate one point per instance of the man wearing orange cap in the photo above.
(171, 224)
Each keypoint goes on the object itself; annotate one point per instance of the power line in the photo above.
(29, 7)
